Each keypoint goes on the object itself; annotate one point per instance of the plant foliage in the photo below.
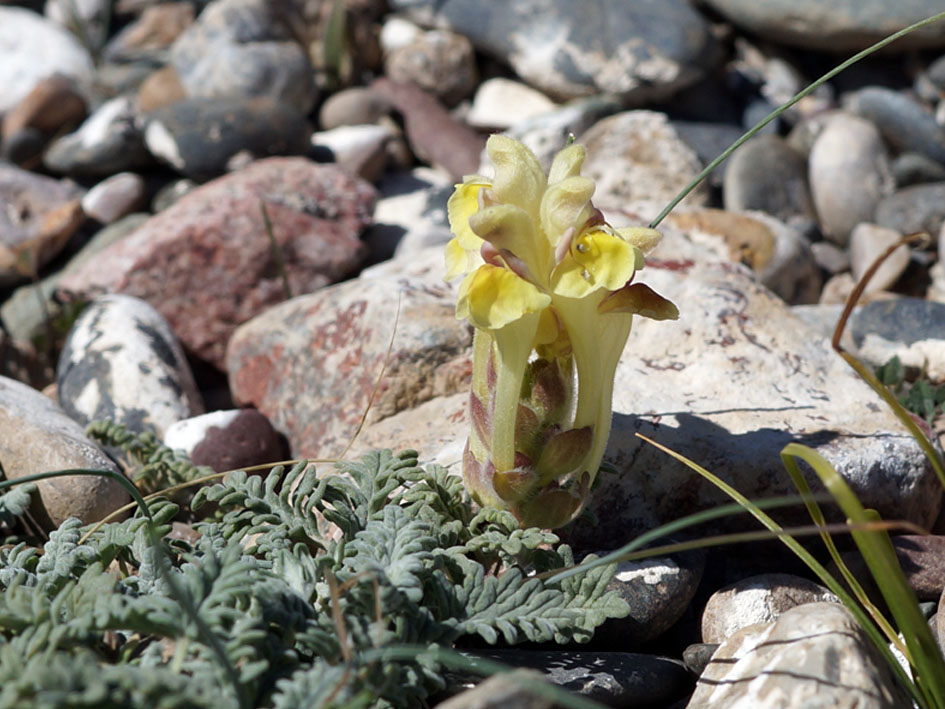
(300, 577)
(920, 397)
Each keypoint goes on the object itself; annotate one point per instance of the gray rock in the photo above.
(814, 655)
(438, 61)
(109, 141)
(247, 49)
(841, 26)
(912, 328)
(915, 168)
(37, 437)
(227, 440)
(848, 173)
(867, 243)
(767, 174)
(638, 156)
(830, 257)
(121, 362)
(616, 679)
(904, 123)
(709, 140)
(202, 137)
(22, 66)
(351, 107)
(658, 591)
(639, 51)
(757, 599)
(914, 209)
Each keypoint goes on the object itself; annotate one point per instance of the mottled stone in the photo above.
(199, 137)
(767, 174)
(121, 362)
(922, 558)
(636, 156)
(814, 655)
(849, 173)
(207, 264)
(109, 141)
(311, 365)
(22, 66)
(757, 599)
(37, 437)
(227, 440)
(640, 52)
(840, 26)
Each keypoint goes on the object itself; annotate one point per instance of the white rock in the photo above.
(114, 197)
(398, 32)
(867, 242)
(500, 103)
(32, 48)
(358, 149)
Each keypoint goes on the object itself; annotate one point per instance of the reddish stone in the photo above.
(207, 264)
(54, 104)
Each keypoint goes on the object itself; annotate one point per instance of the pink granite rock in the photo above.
(207, 264)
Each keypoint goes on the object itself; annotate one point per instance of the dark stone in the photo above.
(709, 140)
(696, 657)
(914, 209)
(905, 320)
(905, 124)
(769, 175)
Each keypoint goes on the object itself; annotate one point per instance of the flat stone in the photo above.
(36, 436)
(757, 599)
(22, 67)
(814, 655)
(844, 26)
(207, 264)
(200, 137)
(121, 362)
(639, 52)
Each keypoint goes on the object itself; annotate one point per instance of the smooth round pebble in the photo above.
(114, 197)
(867, 242)
(767, 174)
(905, 124)
(122, 362)
(352, 107)
(494, 97)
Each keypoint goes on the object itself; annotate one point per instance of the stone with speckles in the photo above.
(207, 264)
(311, 364)
(122, 362)
(36, 436)
(638, 51)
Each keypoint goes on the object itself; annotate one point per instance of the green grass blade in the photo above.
(877, 550)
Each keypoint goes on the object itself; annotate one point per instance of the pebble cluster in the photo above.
(249, 194)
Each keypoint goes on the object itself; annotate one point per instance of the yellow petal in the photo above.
(491, 297)
(519, 179)
(642, 237)
(567, 163)
(599, 258)
(462, 204)
(639, 299)
(566, 204)
(509, 227)
(459, 261)
(571, 279)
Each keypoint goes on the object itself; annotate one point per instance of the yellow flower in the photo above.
(544, 275)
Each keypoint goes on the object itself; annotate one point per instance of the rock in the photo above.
(39, 216)
(440, 62)
(709, 140)
(172, 192)
(905, 124)
(397, 33)
(914, 209)
(696, 657)
(499, 691)
(352, 107)
(109, 141)
(813, 655)
(227, 440)
(161, 88)
(361, 150)
(150, 35)
(914, 168)
(546, 134)
(199, 137)
(495, 96)
(638, 52)
(37, 437)
(24, 313)
(844, 26)
(114, 197)
(637, 156)
(757, 599)
(767, 174)
(24, 148)
(22, 67)
(867, 243)
(830, 257)
(309, 350)
(121, 362)
(54, 104)
(849, 173)
(922, 558)
(244, 49)
(778, 254)
(911, 328)
(207, 264)
(433, 134)
(658, 591)
(615, 679)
